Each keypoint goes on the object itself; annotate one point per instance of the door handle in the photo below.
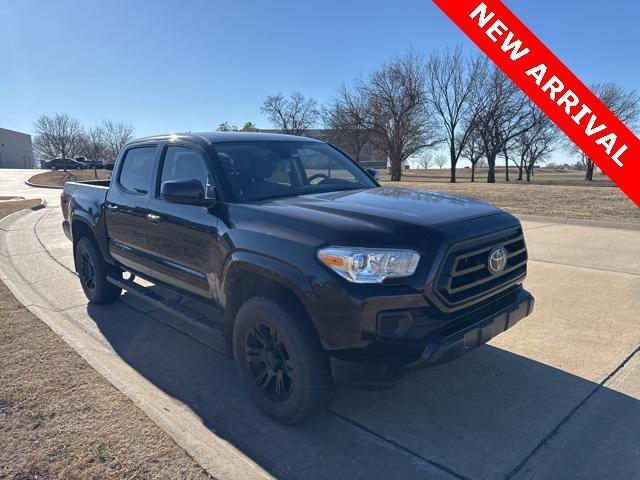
(153, 217)
(112, 207)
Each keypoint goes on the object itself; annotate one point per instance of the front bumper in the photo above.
(447, 343)
(453, 342)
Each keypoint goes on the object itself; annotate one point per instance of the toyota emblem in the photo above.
(497, 260)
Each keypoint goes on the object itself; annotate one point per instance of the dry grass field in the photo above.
(59, 419)
(12, 206)
(57, 178)
(551, 193)
(542, 176)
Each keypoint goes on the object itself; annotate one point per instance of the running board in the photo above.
(184, 313)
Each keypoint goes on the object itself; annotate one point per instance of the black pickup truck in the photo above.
(306, 257)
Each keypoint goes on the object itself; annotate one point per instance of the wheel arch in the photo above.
(83, 225)
(250, 275)
(80, 228)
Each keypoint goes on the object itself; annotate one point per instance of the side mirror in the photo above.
(373, 173)
(188, 192)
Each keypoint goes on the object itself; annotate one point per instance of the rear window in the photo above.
(137, 169)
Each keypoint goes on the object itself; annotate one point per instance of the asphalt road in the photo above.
(557, 396)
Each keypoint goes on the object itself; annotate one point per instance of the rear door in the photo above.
(126, 208)
(183, 237)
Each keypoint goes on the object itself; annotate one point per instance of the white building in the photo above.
(16, 150)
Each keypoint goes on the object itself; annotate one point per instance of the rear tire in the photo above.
(93, 270)
(53, 167)
(281, 361)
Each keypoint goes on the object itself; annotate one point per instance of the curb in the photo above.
(37, 185)
(43, 204)
(580, 222)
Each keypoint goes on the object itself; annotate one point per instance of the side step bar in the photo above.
(183, 312)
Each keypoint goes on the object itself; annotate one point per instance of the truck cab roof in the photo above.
(225, 137)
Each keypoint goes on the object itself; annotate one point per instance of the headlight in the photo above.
(369, 265)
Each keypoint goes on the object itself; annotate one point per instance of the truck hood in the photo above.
(410, 206)
(382, 216)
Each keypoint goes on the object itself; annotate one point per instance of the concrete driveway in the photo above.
(558, 396)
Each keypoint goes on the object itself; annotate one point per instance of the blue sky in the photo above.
(176, 66)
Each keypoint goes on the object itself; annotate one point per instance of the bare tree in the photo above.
(424, 160)
(473, 151)
(92, 146)
(503, 117)
(344, 121)
(293, 115)
(57, 135)
(440, 160)
(537, 143)
(505, 154)
(398, 111)
(116, 135)
(510, 153)
(625, 104)
(452, 81)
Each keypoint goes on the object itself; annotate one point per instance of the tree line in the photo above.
(62, 136)
(410, 107)
(413, 105)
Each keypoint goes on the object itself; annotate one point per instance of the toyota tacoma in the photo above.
(305, 256)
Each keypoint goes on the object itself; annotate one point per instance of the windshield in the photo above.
(263, 170)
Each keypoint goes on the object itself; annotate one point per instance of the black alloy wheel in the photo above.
(93, 271)
(280, 359)
(268, 360)
(87, 272)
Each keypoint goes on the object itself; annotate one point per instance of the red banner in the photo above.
(552, 86)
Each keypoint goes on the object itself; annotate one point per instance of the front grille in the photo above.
(465, 275)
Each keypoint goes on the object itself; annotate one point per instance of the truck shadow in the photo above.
(478, 417)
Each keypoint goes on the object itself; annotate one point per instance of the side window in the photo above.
(181, 163)
(137, 168)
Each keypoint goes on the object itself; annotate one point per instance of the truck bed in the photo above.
(84, 199)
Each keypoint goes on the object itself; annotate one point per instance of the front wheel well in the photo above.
(243, 285)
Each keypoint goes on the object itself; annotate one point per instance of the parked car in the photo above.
(304, 254)
(62, 163)
(89, 163)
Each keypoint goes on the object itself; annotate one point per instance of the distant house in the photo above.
(16, 150)
(369, 156)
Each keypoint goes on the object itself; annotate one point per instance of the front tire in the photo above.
(93, 270)
(281, 361)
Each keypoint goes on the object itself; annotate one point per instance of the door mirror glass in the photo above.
(189, 192)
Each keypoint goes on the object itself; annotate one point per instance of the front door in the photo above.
(184, 237)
